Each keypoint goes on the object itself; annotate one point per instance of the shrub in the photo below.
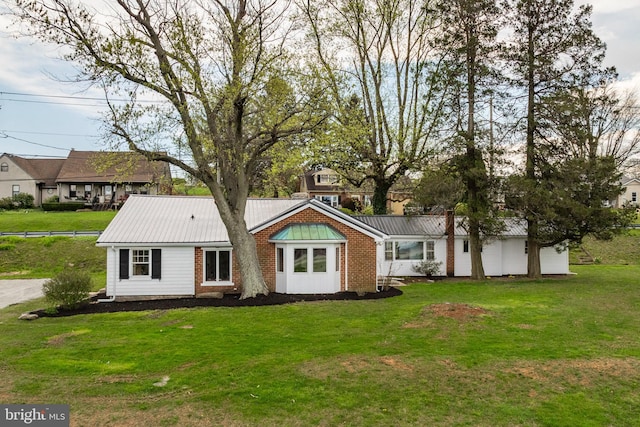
(7, 204)
(428, 268)
(67, 206)
(23, 201)
(68, 289)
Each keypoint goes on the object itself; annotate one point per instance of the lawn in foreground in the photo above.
(549, 352)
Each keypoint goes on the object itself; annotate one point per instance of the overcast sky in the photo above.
(50, 124)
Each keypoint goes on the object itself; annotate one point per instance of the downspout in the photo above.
(112, 298)
(346, 265)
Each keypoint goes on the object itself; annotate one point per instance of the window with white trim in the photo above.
(72, 190)
(4, 167)
(140, 261)
(15, 190)
(218, 265)
(280, 260)
(300, 260)
(431, 250)
(410, 250)
(388, 251)
(319, 260)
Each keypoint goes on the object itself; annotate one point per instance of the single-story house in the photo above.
(178, 246)
(91, 177)
(443, 239)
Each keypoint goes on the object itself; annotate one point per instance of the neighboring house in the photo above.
(79, 177)
(325, 184)
(31, 176)
(82, 178)
(631, 194)
(440, 238)
(178, 246)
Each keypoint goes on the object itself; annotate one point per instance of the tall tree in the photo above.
(385, 76)
(552, 49)
(217, 71)
(470, 39)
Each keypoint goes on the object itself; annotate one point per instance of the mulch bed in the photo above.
(229, 300)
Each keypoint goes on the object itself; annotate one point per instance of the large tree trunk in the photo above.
(533, 257)
(380, 191)
(475, 250)
(533, 246)
(246, 255)
(232, 209)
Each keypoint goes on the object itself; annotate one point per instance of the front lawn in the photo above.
(38, 220)
(554, 352)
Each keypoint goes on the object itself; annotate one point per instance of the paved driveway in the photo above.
(19, 290)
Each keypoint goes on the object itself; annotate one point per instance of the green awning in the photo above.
(308, 232)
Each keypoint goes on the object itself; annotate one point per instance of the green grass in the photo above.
(42, 257)
(622, 250)
(550, 352)
(38, 220)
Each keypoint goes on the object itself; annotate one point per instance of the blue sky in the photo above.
(61, 118)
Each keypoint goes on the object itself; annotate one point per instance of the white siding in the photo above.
(492, 259)
(514, 258)
(462, 260)
(177, 276)
(552, 262)
(309, 282)
(405, 267)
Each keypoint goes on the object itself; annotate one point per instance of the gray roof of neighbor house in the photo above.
(183, 219)
(82, 166)
(431, 225)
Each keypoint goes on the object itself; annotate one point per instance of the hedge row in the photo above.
(70, 206)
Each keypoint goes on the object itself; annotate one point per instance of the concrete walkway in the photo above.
(19, 290)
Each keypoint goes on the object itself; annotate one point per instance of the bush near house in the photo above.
(19, 201)
(69, 288)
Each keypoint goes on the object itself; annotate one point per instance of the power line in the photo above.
(4, 131)
(4, 135)
(84, 98)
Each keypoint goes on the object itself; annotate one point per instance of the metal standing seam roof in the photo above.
(432, 225)
(308, 232)
(183, 219)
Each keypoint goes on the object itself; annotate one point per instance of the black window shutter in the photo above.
(124, 264)
(156, 263)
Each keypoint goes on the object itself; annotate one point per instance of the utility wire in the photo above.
(84, 98)
(4, 135)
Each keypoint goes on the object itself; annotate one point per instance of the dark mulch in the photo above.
(229, 300)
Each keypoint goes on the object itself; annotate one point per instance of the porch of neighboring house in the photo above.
(99, 197)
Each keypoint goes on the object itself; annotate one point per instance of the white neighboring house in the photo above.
(631, 194)
(414, 239)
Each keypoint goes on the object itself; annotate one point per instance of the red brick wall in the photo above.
(199, 266)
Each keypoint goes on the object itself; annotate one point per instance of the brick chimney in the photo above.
(450, 228)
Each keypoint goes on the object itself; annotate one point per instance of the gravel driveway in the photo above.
(19, 290)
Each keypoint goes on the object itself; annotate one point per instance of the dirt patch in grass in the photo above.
(229, 300)
(457, 311)
(378, 366)
(583, 372)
